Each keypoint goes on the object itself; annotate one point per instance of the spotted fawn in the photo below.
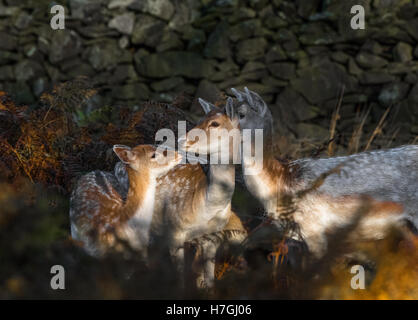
(100, 215)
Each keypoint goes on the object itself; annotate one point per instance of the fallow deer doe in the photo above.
(385, 181)
(99, 214)
(190, 204)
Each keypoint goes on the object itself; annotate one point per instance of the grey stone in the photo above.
(114, 4)
(240, 14)
(282, 70)
(373, 47)
(163, 9)
(6, 73)
(375, 77)
(196, 38)
(276, 53)
(256, 75)
(54, 74)
(273, 82)
(107, 54)
(251, 66)
(64, 44)
(402, 67)
(175, 63)
(123, 42)
(391, 34)
(225, 70)
(275, 22)
(411, 78)
(27, 70)
(22, 92)
(312, 131)
(291, 47)
(322, 81)
(148, 31)
(246, 29)
(132, 91)
(317, 39)
(412, 28)
(124, 72)
(97, 31)
(88, 11)
(81, 69)
(7, 42)
(393, 93)
(124, 23)
(353, 68)
(170, 41)
(186, 13)
(293, 107)
(402, 52)
(370, 61)
(306, 8)
(218, 43)
(23, 20)
(8, 11)
(39, 86)
(251, 49)
(167, 84)
(413, 95)
(30, 50)
(340, 57)
(261, 89)
(316, 50)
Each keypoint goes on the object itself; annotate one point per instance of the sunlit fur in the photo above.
(189, 203)
(388, 178)
(99, 214)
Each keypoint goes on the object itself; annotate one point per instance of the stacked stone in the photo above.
(296, 53)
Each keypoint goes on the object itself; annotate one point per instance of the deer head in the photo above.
(253, 112)
(213, 135)
(146, 157)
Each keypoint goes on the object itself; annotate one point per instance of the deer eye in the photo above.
(165, 153)
(214, 124)
(153, 156)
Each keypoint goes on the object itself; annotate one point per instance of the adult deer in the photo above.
(385, 182)
(184, 200)
(101, 217)
(191, 204)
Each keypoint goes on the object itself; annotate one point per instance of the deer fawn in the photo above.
(191, 204)
(99, 214)
(384, 181)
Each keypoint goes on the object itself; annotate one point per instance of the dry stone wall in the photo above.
(296, 53)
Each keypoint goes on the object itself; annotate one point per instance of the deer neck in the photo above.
(141, 194)
(270, 182)
(221, 185)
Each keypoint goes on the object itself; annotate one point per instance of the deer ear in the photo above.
(230, 108)
(124, 153)
(207, 106)
(238, 94)
(255, 100)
